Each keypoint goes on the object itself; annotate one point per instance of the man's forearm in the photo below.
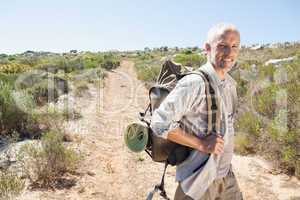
(210, 144)
(179, 136)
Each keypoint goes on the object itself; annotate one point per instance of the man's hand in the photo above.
(212, 144)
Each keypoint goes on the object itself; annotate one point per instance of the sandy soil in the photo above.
(110, 171)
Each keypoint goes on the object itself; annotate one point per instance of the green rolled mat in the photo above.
(136, 136)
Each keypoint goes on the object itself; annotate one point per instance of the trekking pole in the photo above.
(160, 187)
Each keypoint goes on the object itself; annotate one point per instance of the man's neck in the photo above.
(220, 72)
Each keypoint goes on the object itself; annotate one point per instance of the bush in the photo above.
(265, 101)
(242, 143)
(8, 79)
(44, 93)
(17, 116)
(13, 68)
(148, 66)
(13, 105)
(80, 88)
(110, 62)
(91, 60)
(49, 161)
(55, 63)
(248, 127)
(146, 56)
(242, 85)
(148, 73)
(249, 123)
(278, 136)
(10, 185)
(191, 60)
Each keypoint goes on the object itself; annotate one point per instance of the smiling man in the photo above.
(182, 118)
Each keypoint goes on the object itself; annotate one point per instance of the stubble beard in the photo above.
(221, 65)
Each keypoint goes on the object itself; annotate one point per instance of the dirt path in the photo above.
(110, 171)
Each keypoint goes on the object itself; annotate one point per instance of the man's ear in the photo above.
(207, 47)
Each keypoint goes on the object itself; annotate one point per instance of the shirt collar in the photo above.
(210, 70)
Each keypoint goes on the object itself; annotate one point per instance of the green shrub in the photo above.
(13, 68)
(192, 60)
(146, 56)
(266, 72)
(248, 128)
(148, 73)
(297, 168)
(249, 123)
(16, 113)
(265, 101)
(54, 63)
(91, 60)
(282, 148)
(289, 155)
(278, 139)
(44, 93)
(273, 132)
(242, 143)
(242, 85)
(8, 79)
(13, 117)
(110, 62)
(49, 161)
(80, 88)
(11, 185)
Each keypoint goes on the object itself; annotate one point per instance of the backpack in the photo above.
(139, 136)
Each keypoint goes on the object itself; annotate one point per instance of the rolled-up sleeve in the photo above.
(179, 101)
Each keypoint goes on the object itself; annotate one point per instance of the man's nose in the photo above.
(228, 50)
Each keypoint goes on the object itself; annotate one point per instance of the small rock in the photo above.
(68, 138)
(4, 165)
(90, 173)
(274, 171)
(285, 177)
(81, 190)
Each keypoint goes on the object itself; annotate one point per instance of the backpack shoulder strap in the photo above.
(213, 104)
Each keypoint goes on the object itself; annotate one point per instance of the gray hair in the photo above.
(218, 30)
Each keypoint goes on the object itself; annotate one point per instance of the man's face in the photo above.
(224, 51)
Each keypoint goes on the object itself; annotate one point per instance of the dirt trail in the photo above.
(111, 171)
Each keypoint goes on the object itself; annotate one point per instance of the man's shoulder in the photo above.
(231, 81)
(192, 78)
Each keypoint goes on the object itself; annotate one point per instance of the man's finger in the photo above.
(220, 140)
(217, 151)
(220, 144)
(221, 149)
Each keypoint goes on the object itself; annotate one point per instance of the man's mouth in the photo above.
(228, 60)
(225, 62)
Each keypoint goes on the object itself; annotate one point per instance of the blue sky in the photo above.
(97, 25)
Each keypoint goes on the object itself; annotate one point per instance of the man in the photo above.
(182, 118)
